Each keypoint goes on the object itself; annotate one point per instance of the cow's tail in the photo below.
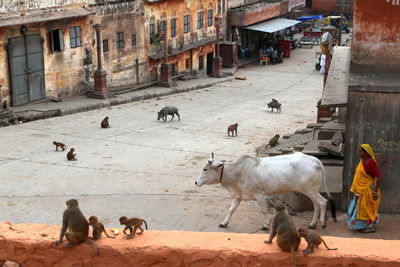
(330, 198)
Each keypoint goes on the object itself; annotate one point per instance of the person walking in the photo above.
(362, 213)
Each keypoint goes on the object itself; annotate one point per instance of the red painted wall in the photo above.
(324, 5)
(376, 36)
(248, 16)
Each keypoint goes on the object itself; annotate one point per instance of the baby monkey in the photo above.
(98, 228)
(232, 128)
(71, 155)
(59, 144)
(132, 222)
(104, 123)
(313, 240)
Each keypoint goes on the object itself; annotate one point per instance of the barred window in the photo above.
(120, 40)
(173, 28)
(134, 44)
(75, 36)
(210, 17)
(105, 46)
(186, 24)
(200, 20)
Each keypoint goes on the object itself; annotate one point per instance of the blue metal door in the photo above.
(26, 69)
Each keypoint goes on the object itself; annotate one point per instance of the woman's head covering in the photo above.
(369, 150)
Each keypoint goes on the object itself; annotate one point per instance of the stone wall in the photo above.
(32, 245)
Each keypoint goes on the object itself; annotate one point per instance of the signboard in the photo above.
(296, 3)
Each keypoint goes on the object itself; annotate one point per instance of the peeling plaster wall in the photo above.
(179, 7)
(120, 64)
(376, 37)
(64, 73)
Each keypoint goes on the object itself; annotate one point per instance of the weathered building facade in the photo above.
(373, 107)
(49, 47)
(45, 48)
(123, 43)
(189, 30)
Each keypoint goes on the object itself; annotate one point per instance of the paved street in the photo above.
(146, 168)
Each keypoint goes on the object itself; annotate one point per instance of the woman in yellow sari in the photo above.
(362, 212)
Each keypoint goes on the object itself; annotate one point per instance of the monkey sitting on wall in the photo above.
(104, 123)
(132, 222)
(273, 141)
(59, 144)
(98, 228)
(288, 237)
(232, 129)
(71, 155)
(313, 240)
(77, 225)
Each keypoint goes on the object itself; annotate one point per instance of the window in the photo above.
(186, 24)
(210, 17)
(201, 63)
(219, 7)
(105, 46)
(153, 36)
(120, 40)
(200, 20)
(187, 63)
(161, 27)
(57, 40)
(223, 6)
(75, 36)
(134, 40)
(173, 28)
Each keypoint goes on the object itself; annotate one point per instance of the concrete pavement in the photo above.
(147, 168)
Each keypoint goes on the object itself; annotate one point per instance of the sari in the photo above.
(362, 212)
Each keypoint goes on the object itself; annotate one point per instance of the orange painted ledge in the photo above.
(32, 245)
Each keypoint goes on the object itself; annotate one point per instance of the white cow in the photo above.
(253, 178)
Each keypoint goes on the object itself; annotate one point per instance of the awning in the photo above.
(272, 25)
(48, 16)
(310, 17)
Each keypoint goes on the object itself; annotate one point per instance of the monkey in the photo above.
(288, 236)
(104, 123)
(59, 144)
(77, 225)
(71, 155)
(98, 228)
(273, 142)
(313, 240)
(5, 105)
(232, 128)
(132, 222)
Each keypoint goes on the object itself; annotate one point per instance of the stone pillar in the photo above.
(166, 75)
(100, 75)
(217, 62)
